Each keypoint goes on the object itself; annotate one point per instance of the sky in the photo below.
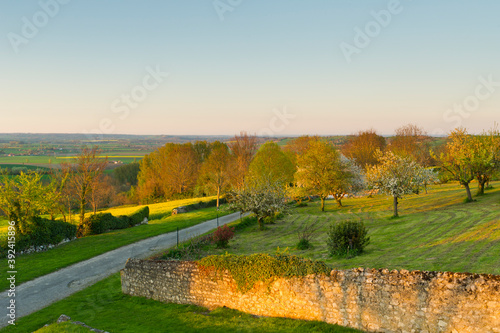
(218, 67)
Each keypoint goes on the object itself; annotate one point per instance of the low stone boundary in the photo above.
(367, 299)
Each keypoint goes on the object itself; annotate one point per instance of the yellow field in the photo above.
(157, 208)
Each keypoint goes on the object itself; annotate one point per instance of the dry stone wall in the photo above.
(367, 299)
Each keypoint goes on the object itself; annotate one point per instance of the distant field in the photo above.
(48, 160)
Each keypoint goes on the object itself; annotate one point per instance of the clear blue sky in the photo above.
(86, 65)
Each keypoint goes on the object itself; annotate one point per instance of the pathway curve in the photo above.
(36, 294)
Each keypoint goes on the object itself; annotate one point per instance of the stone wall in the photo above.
(367, 299)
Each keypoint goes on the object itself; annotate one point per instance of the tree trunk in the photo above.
(339, 201)
(82, 205)
(322, 204)
(218, 193)
(481, 181)
(467, 188)
(396, 207)
(260, 220)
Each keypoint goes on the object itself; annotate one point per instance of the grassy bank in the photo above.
(436, 231)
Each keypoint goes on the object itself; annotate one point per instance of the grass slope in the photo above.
(436, 231)
(103, 306)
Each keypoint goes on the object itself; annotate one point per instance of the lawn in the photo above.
(103, 306)
(436, 232)
(38, 264)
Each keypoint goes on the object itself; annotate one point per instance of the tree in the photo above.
(349, 179)
(214, 173)
(361, 148)
(270, 164)
(395, 175)
(459, 158)
(127, 174)
(26, 196)
(84, 175)
(101, 193)
(264, 200)
(171, 170)
(243, 148)
(411, 141)
(321, 172)
(486, 150)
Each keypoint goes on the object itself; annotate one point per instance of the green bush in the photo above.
(347, 238)
(304, 244)
(139, 215)
(38, 231)
(99, 223)
(247, 270)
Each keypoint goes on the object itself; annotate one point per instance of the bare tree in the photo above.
(85, 173)
(361, 147)
(243, 148)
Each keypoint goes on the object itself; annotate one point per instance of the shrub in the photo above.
(347, 238)
(38, 231)
(138, 216)
(305, 233)
(102, 222)
(222, 236)
(304, 244)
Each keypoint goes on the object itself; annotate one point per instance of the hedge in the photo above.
(102, 222)
(38, 231)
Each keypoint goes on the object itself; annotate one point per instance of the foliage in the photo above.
(38, 231)
(347, 238)
(322, 171)
(214, 174)
(84, 175)
(396, 176)
(487, 153)
(467, 157)
(170, 171)
(305, 234)
(260, 267)
(270, 164)
(127, 174)
(222, 236)
(97, 224)
(361, 147)
(264, 200)
(26, 196)
(411, 141)
(243, 148)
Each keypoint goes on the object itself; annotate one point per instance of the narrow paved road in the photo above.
(34, 295)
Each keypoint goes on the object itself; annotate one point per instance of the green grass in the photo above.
(37, 264)
(436, 232)
(103, 306)
(63, 328)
